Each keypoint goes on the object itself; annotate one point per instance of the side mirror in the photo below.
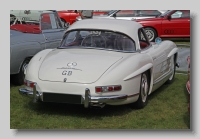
(169, 17)
(78, 18)
(66, 25)
(114, 15)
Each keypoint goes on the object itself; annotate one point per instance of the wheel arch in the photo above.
(175, 57)
(158, 34)
(26, 58)
(150, 77)
(139, 71)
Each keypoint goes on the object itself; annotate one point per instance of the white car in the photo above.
(25, 15)
(99, 62)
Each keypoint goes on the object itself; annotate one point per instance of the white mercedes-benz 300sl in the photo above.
(99, 62)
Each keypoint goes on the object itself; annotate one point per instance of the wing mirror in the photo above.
(66, 25)
(169, 17)
(158, 40)
(114, 15)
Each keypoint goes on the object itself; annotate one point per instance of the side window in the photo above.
(49, 21)
(125, 13)
(181, 14)
(143, 39)
(148, 12)
(59, 24)
(71, 37)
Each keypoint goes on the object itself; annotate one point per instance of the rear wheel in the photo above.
(144, 89)
(18, 79)
(171, 78)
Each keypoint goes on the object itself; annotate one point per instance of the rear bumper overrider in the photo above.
(87, 99)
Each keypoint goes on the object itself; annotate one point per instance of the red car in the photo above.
(99, 12)
(70, 15)
(171, 24)
(188, 83)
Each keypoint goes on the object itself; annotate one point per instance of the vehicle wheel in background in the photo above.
(18, 79)
(151, 33)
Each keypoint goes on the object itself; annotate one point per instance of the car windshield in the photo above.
(34, 20)
(31, 17)
(98, 39)
(163, 14)
(111, 12)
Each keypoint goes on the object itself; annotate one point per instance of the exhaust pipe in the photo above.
(97, 105)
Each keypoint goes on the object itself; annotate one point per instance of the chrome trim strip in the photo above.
(96, 48)
(26, 92)
(86, 100)
(133, 95)
(35, 95)
(104, 99)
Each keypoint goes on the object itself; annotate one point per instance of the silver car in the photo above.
(131, 14)
(30, 35)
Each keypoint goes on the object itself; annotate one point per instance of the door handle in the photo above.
(188, 20)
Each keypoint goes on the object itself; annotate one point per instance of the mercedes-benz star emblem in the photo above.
(72, 64)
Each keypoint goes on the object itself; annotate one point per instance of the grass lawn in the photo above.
(180, 42)
(167, 109)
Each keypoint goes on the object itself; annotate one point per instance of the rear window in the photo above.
(98, 39)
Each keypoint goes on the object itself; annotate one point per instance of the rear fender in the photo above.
(139, 71)
(34, 65)
(173, 51)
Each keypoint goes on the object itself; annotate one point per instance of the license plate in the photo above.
(62, 98)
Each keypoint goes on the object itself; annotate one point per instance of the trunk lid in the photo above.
(76, 65)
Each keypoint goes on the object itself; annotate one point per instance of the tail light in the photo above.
(29, 85)
(112, 88)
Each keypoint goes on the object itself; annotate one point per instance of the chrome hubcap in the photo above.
(150, 34)
(144, 88)
(24, 66)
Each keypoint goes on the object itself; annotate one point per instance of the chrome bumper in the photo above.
(87, 100)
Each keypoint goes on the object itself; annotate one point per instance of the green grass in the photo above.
(184, 41)
(166, 109)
